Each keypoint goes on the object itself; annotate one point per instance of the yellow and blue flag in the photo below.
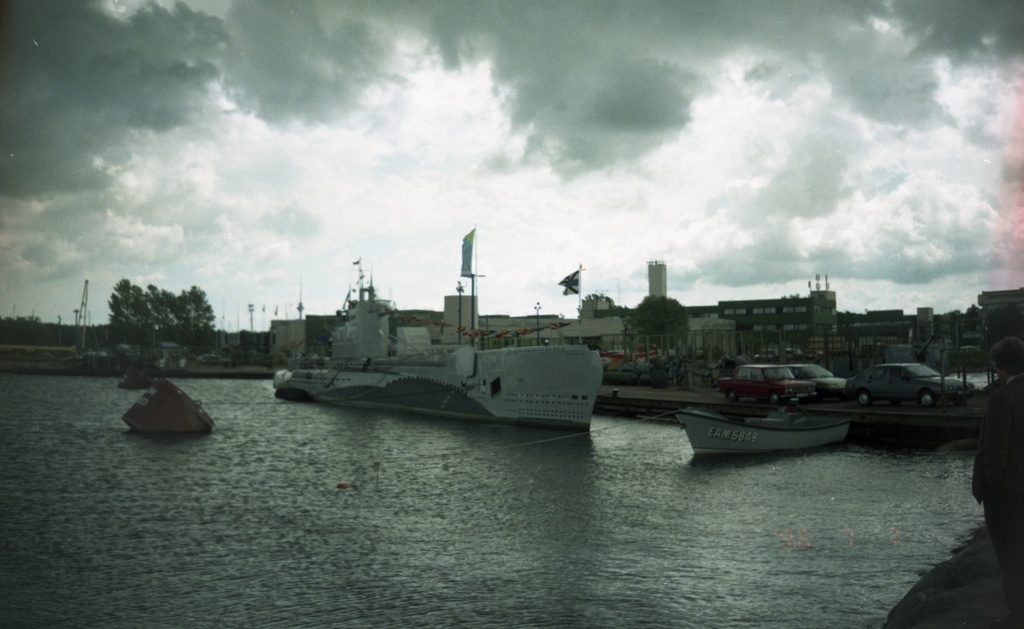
(467, 254)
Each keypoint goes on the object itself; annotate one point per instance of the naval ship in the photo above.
(544, 386)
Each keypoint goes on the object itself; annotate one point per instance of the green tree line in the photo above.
(33, 332)
(141, 316)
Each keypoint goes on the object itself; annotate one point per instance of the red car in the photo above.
(764, 382)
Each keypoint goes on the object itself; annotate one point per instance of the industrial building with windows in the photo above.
(812, 320)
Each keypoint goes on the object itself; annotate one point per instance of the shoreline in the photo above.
(199, 371)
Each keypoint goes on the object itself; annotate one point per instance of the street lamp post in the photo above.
(537, 309)
(252, 331)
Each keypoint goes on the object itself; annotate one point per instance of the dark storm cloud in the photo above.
(965, 29)
(592, 84)
(75, 80)
(901, 92)
(303, 60)
(602, 115)
(588, 84)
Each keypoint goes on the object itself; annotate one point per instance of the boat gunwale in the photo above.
(735, 423)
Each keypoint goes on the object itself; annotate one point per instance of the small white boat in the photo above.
(784, 429)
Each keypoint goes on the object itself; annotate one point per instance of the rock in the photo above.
(959, 445)
(965, 591)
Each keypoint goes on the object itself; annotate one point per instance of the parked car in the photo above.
(903, 382)
(213, 359)
(764, 382)
(827, 385)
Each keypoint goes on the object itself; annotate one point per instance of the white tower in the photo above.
(657, 279)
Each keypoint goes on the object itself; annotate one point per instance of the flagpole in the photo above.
(579, 308)
(573, 283)
(468, 255)
(472, 288)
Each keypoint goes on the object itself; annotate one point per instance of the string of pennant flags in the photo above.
(570, 286)
(462, 330)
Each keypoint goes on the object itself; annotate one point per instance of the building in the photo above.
(817, 312)
(995, 320)
(989, 300)
(595, 306)
(459, 316)
(657, 279)
(925, 324)
(875, 328)
(310, 336)
(288, 337)
(771, 328)
(809, 324)
(992, 300)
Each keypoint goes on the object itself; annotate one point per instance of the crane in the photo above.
(80, 317)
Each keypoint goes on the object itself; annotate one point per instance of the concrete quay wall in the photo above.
(882, 424)
(196, 371)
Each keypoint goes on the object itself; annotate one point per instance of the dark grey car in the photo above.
(826, 383)
(899, 382)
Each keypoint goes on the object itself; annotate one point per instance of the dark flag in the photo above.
(571, 284)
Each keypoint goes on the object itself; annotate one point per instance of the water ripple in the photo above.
(445, 523)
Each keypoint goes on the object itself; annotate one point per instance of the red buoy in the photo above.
(344, 485)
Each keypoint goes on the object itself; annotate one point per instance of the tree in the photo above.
(197, 318)
(600, 297)
(599, 305)
(658, 316)
(142, 317)
(163, 308)
(24, 331)
(130, 316)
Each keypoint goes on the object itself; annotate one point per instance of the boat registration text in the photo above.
(729, 434)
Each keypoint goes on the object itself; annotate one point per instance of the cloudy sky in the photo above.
(245, 147)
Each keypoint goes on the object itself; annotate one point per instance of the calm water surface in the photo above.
(449, 523)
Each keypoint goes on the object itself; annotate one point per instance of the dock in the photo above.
(883, 424)
(246, 372)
